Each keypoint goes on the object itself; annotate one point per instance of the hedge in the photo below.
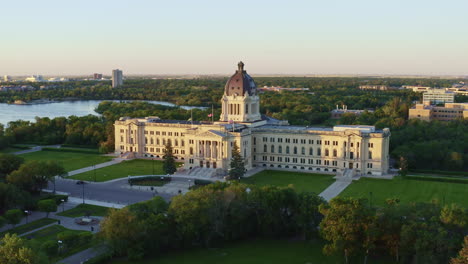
(454, 173)
(152, 178)
(56, 197)
(438, 179)
(87, 151)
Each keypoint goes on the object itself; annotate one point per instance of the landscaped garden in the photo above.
(251, 252)
(29, 226)
(85, 209)
(70, 160)
(72, 241)
(310, 182)
(408, 190)
(122, 170)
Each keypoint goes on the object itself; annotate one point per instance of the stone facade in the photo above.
(263, 141)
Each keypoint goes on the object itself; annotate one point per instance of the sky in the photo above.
(53, 37)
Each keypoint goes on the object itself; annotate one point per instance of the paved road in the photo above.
(112, 192)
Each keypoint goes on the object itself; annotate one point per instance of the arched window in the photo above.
(182, 143)
(265, 148)
(272, 148)
(157, 141)
(287, 149)
(176, 143)
(335, 153)
(146, 140)
(311, 151)
(327, 152)
(280, 149)
(295, 150)
(169, 141)
(164, 141)
(191, 150)
(152, 141)
(370, 154)
(319, 151)
(303, 151)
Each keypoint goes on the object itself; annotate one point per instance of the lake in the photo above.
(10, 112)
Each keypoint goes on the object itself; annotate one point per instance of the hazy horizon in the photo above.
(209, 37)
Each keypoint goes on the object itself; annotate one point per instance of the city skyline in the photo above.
(301, 37)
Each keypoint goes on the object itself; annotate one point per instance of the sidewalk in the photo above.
(97, 166)
(334, 189)
(83, 256)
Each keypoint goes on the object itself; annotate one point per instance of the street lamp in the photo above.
(60, 245)
(27, 214)
(94, 166)
(63, 205)
(189, 183)
(83, 184)
(153, 164)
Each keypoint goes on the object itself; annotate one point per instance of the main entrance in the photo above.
(350, 165)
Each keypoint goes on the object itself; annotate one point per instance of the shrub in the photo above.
(56, 197)
(438, 179)
(68, 238)
(13, 216)
(85, 237)
(2, 221)
(50, 248)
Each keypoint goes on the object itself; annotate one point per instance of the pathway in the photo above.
(83, 256)
(334, 189)
(33, 149)
(97, 166)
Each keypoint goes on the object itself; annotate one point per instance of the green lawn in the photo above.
(10, 150)
(50, 234)
(408, 190)
(30, 226)
(252, 252)
(123, 169)
(82, 209)
(302, 181)
(69, 160)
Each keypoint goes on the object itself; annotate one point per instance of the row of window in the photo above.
(310, 141)
(311, 151)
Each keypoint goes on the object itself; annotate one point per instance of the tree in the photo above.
(10, 196)
(403, 167)
(349, 226)
(237, 166)
(33, 175)
(462, 257)
(9, 163)
(14, 250)
(13, 216)
(122, 230)
(2, 221)
(47, 206)
(169, 165)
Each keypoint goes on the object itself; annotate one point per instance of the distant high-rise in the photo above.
(117, 78)
(7, 78)
(97, 76)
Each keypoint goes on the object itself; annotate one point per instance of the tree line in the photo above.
(222, 212)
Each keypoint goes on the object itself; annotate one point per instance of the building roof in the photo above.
(240, 83)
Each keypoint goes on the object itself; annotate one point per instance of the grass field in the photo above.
(50, 234)
(30, 226)
(82, 209)
(10, 150)
(408, 190)
(69, 160)
(121, 170)
(302, 181)
(252, 252)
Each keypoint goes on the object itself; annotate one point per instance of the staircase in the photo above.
(348, 175)
(127, 155)
(202, 172)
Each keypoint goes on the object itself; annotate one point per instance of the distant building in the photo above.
(449, 112)
(35, 78)
(417, 88)
(377, 87)
(117, 78)
(279, 88)
(97, 76)
(7, 78)
(18, 88)
(337, 113)
(461, 90)
(438, 96)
